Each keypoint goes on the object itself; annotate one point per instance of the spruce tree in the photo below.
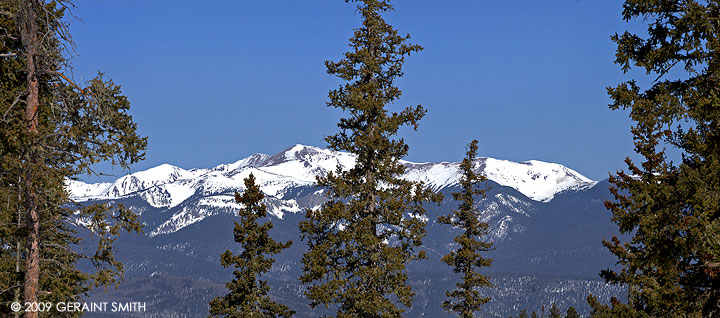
(571, 313)
(669, 207)
(555, 311)
(466, 300)
(248, 295)
(53, 129)
(362, 239)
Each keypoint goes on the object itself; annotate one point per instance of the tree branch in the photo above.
(9, 288)
(58, 263)
(17, 100)
(71, 82)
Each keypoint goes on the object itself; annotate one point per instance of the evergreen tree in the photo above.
(571, 313)
(555, 311)
(52, 130)
(248, 296)
(671, 264)
(362, 239)
(523, 314)
(465, 300)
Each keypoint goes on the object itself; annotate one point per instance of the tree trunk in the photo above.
(29, 35)
(18, 246)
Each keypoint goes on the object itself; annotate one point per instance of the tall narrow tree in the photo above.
(248, 295)
(572, 313)
(362, 239)
(466, 299)
(52, 130)
(671, 208)
(555, 311)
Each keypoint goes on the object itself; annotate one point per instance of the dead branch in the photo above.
(9, 288)
(71, 82)
(17, 100)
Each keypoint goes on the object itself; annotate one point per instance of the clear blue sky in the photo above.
(214, 81)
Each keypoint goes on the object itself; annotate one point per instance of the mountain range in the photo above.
(547, 222)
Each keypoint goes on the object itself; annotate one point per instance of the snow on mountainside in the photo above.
(299, 165)
(198, 193)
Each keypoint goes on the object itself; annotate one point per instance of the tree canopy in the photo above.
(466, 299)
(361, 240)
(669, 205)
(52, 130)
(248, 295)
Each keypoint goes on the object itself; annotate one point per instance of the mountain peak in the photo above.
(195, 194)
(299, 165)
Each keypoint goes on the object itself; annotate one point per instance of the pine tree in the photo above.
(362, 239)
(555, 311)
(465, 300)
(52, 130)
(671, 265)
(523, 314)
(571, 313)
(248, 296)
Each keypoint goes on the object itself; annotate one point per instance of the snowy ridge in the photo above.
(537, 180)
(300, 165)
(197, 192)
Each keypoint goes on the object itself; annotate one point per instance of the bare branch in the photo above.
(8, 54)
(9, 288)
(56, 262)
(17, 100)
(66, 249)
(69, 81)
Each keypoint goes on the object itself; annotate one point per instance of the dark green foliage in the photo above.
(671, 208)
(71, 129)
(616, 310)
(571, 313)
(467, 260)
(248, 296)
(555, 311)
(362, 239)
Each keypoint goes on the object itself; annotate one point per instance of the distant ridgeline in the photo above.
(547, 222)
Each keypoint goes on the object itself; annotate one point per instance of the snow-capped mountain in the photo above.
(300, 165)
(198, 193)
(546, 222)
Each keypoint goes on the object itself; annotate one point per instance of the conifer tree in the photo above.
(555, 311)
(671, 265)
(248, 295)
(52, 129)
(571, 313)
(362, 239)
(466, 300)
